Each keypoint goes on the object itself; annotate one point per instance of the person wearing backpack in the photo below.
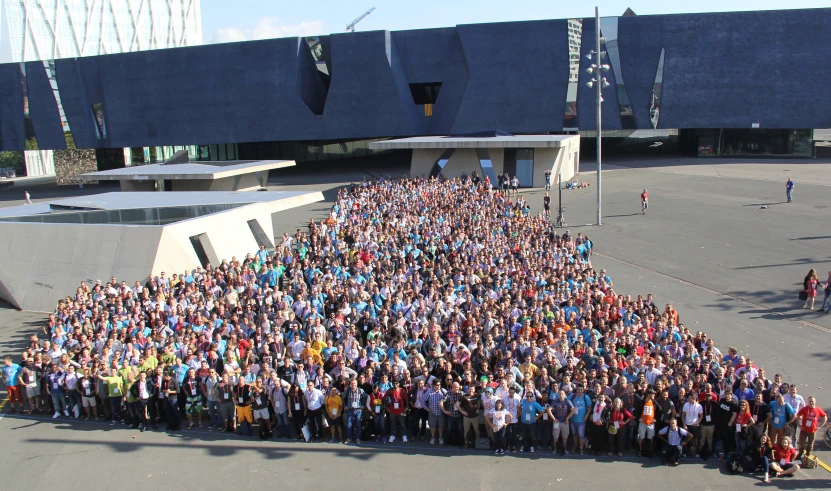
(675, 439)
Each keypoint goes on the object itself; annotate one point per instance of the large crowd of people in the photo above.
(420, 309)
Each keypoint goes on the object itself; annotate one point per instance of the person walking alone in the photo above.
(644, 201)
(789, 190)
(827, 291)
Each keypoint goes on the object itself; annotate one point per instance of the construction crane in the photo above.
(351, 27)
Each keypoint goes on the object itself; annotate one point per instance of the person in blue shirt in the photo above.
(581, 403)
(783, 415)
(789, 190)
(744, 393)
(11, 378)
(531, 410)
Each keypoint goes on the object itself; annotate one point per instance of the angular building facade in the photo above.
(38, 30)
(740, 83)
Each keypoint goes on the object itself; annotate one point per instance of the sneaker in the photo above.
(392, 439)
(358, 441)
(532, 449)
(66, 412)
(496, 452)
(432, 441)
(383, 439)
(404, 438)
(86, 418)
(142, 428)
(441, 441)
(502, 452)
(56, 415)
(190, 426)
(522, 448)
(112, 423)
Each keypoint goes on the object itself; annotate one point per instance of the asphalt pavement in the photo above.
(718, 241)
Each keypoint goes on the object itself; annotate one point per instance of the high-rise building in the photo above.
(35, 30)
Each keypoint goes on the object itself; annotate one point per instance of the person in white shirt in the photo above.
(498, 420)
(797, 402)
(489, 404)
(693, 414)
(512, 403)
(314, 412)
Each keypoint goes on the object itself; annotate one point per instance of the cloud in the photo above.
(269, 27)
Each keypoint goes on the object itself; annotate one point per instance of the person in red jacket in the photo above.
(396, 402)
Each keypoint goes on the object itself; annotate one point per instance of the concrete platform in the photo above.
(192, 176)
(47, 249)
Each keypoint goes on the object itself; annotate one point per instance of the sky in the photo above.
(239, 20)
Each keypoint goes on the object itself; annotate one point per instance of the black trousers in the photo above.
(141, 411)
(528, 434)
(672, 453)
(174, 420)
(316, 423)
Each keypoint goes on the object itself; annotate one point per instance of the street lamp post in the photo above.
(598, 82)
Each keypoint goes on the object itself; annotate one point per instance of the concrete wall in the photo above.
(42, 263)
(464, 161)
(422, 161)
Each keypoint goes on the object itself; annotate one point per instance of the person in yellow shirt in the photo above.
(308, 352)
(115, 393)
(334, 414)
(529, 367)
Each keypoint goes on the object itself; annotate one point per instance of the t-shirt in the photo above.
(809, 417)
(530, 410)
(781, 414)
(691, 413)
(725, 412)
(581, 407)
(470, 404)
(648, 413)
(10, 373)
(499, 418)
(560, 409)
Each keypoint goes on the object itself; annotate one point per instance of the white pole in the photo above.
(599, 83)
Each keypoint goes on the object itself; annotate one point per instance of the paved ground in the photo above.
(730, 267)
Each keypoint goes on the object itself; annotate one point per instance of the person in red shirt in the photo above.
(396, 402)
(644, 201)
(811, 418)
(784, 455)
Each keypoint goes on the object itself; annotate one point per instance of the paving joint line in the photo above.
(703, 288)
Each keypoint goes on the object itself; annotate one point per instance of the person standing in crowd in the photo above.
(530, 412)
(11, 379)
(419, 287)
(499, 419)
(675, 439)
(810, 418)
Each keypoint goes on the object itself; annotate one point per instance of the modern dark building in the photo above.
(745, 83)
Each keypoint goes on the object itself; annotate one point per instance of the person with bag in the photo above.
(809, 288)
(334, 415)
(617, 417)
(297, 410)
(499, 419)
(675, 438)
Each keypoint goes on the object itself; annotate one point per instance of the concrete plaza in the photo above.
(731, 268)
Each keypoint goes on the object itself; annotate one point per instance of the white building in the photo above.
(34, 30)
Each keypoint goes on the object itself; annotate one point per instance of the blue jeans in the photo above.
(283, 423)
(827, 296)
(59, 401)
(353, 424)
(790, 194)
(213, 412)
